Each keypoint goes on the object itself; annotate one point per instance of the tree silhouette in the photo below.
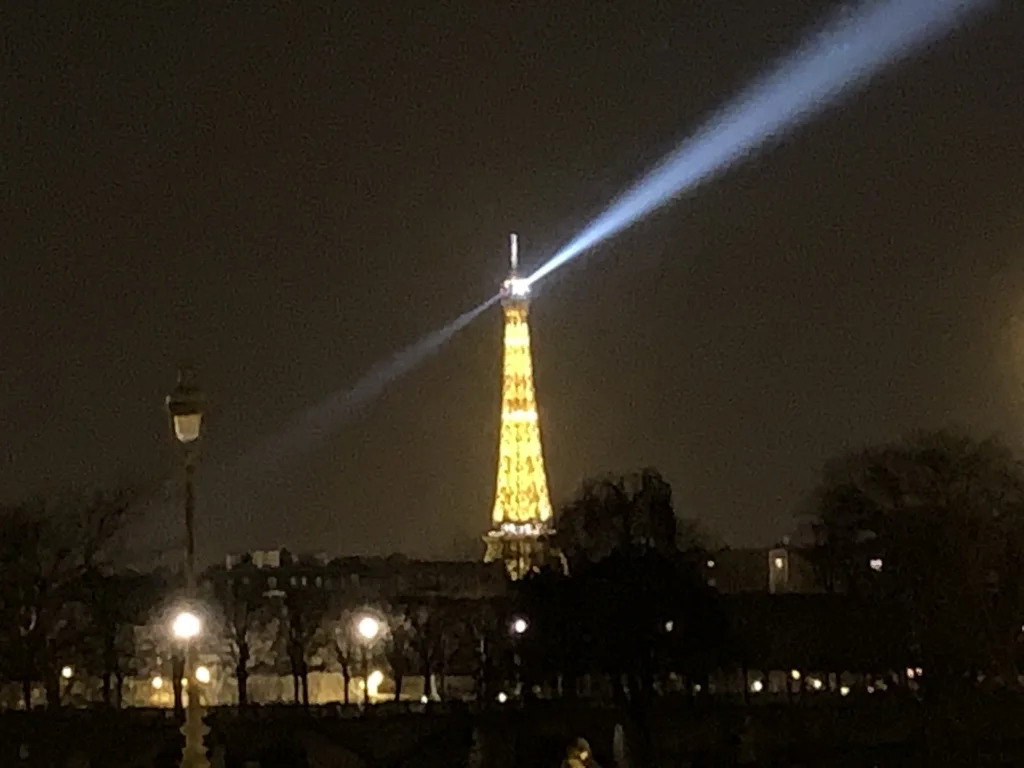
(305, 607)
(47, 550)
(933, 525)
(398, 648)
(117, 602)
(245, 618)
(633, 607)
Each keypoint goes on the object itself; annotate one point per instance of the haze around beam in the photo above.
(847, 51)
(317, 422)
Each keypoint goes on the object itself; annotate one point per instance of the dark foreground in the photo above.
(860, 734)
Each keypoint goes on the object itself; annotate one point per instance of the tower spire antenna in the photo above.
(513, 242)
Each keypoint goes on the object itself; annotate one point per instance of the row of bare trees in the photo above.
(68, 602)
(306, 626)
(63, 597)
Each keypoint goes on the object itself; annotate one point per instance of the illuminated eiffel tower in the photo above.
(521, 520)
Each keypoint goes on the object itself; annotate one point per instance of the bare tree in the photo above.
(305, 607)
(117, 603)
(398, 648)
(245, 619)
(47, 551)
(426, 628)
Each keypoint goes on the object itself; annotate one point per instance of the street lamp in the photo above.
(517, 629)
(368, 629)
(186, 626)
(185, 406)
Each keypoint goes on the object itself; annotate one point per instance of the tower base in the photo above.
(522, 552)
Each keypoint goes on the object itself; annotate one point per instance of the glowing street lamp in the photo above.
(517, 629)
(186, 626)
(185, 406)
(368, 629)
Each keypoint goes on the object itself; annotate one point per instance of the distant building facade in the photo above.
(777, 571)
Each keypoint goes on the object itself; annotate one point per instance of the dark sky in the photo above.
(285, 196)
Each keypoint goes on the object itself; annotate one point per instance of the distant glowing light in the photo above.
(517, 287)
(670, 625)
(779, 563)
(424, 700)
(67, 673)
(368, 628)
(711, 563)
(816, 684)
(186, 626)
(843, 56)
(520, 625)
(521, 529)
(502, 697)
(844, 690)
(876, 564)
(203, 675)
(795, 674)
(157, 682)
(373, 682)
(757, 686)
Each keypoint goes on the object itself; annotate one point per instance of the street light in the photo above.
(518, 629)
(368, 629)
(185, 406)
(186, 626)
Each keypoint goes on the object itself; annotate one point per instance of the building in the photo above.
(521, 520)
(779, 570)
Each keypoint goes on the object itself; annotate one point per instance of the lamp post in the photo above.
(185, 407)
(517, 629)
(368, 628)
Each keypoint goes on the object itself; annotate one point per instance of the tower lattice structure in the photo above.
(521, 518)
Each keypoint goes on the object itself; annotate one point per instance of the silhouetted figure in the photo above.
(580, 755)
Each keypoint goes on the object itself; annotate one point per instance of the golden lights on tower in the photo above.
(522, 506)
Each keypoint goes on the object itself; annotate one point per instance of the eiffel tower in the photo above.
(521, 520)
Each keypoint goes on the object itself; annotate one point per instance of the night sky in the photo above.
(283, 197)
